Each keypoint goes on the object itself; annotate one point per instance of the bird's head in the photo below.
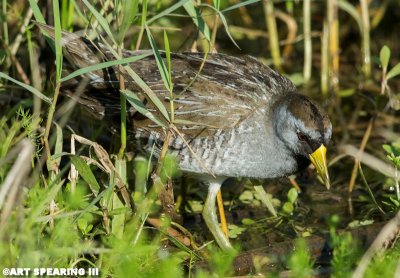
(305, 130)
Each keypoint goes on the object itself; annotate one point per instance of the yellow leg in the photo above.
(210, 216)
(295, 184)
(221, 210)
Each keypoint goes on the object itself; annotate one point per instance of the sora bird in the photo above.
(238, 117)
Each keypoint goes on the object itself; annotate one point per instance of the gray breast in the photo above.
(249, 150)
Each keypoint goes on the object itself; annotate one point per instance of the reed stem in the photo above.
(333, 30)
(307, 40)
(273, 33)
(325, 60)
(366, 48)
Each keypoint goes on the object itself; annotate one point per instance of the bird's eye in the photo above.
(301, 136)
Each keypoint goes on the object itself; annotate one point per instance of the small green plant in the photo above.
(393, 154)
(345, 251)
(220, 263)
(393, 151)
(387, 74)
(289, 205)
(300, 262)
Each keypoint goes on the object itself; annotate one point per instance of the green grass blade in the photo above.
(58, 148)
(43, 203)
(118, 220)
(238, 5)
(36, 12)
(134, 100)
(129, 12)
(384, 56)
(197, 19)
(224, 22)
(86, 173)
(103, 22)
(168, 56)
(149, 92)
(57, 39)
(352, 11)
(265, 199)
(369, 189)
(104, 65)
(27, 87)
(92, 203)
(168, 11)
(393, 72)
(217, 4)
(160, 62)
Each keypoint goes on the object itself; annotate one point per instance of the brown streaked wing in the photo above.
(226, 92)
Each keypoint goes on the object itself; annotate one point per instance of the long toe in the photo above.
(210, 217)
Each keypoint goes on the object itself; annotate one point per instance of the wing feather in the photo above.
(224, 93)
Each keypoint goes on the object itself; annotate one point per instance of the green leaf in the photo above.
(44, 201)
(118, 220)
(103, 22)
(346, 92)
(36, 11)
(168, 56)
(387, 148)
(288, 207)
(135, 101)
(27, 87)
(197, 19)
(392, 149)
(59, 143)
(300, 262)
(141, 170)
(217, 4)
(242, 4)
(104, 65)
(393, 72)
(57, 40)
(86, 173)
(168, 11)
(292, 195)
(169, 168)
(224, 22)
(352, 11)
(235, 230)
(160, 62)
(82, 225)
(129, 11)
(149, 92)
(384, 56)
(248, 221)
(265, 199)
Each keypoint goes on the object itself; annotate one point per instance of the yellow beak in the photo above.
(318, 159)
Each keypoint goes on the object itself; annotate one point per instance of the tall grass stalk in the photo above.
(5, 22)
(363, 144)
(333, 30)
(215, 26)
(123, 115)
(366, 48)
(325, 60)
(307, 40)
(35, 72)
(67, 13)
(142, 24)
(58, 49)
(273, 33)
